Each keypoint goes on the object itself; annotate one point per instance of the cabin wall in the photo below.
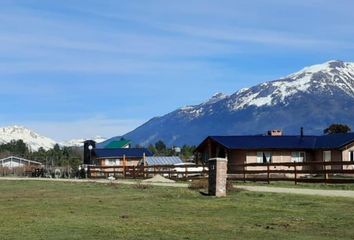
(118, 161)
(345, 155)
(250, 156)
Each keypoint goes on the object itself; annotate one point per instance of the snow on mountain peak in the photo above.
(327, 67)
(216, 97)
(326, 77)
(80, 142)
(31, 138)
(195, 111)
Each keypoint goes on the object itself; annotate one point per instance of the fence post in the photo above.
(295, 173)
(124, 165)
(217, 177)
(325, 172)
(268, 174)
(244, 172)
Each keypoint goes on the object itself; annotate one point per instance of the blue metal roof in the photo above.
(151, 161)
(120, 152)
(285, 142)
(337, 140)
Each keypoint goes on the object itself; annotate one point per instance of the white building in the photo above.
(14, 162)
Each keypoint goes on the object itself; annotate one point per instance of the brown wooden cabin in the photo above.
(276, 149)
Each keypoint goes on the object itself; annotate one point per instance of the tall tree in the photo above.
(337, 128)
(160, 146)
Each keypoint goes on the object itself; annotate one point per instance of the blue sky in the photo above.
(80, 68)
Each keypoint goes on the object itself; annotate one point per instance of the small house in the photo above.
(277, 148)
(17, 162)
(119, 156)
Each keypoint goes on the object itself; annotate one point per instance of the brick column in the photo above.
(217, 177)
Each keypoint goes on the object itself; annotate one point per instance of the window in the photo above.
(327, 156)
(298, 156)
(112, 162)
(351, 156)
(264, 157)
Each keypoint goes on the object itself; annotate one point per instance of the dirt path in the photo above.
(104, 181)
(316, 192)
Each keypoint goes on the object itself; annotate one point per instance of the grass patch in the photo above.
(57, 210)
(298, 185)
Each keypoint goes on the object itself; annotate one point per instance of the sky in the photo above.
(82, 68)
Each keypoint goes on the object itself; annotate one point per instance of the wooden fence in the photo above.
(17, 171)
(325, 172)
(170, 171)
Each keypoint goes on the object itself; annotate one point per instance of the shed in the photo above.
(14, 162)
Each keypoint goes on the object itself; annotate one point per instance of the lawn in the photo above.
(56, 210)
(298, 185)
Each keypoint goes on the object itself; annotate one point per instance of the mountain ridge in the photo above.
(33, 140)
(298, 99)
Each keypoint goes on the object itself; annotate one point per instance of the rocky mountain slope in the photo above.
(313, 98)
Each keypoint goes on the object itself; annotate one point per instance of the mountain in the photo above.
(32, 139)
(35, 141)
(313, 98)
(80, 142)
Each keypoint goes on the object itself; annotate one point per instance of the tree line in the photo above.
(160, 149)
(57, 156)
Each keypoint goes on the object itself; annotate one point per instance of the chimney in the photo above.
(301, 131)
(275, 132)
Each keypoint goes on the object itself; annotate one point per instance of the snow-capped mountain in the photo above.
(35, 141)
(80, 142)
(32, 139)
(313, 97)
(327, 78)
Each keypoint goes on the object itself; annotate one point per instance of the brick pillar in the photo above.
(217, 177)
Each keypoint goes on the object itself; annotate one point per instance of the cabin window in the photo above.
(351, 156)
(327, 156)
(264, 157)
(112, 162)
(298, 156)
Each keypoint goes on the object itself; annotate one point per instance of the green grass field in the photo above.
(55, 210)
(298, 185)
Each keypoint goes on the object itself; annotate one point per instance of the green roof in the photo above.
(118, 144)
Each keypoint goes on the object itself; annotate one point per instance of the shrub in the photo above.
(142, 186)
(229, 186)
(198, 184)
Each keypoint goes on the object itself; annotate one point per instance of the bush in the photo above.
(203, 184)
(229, 186)
(198, 184)
(142, 186)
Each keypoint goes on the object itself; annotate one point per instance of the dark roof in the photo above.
(337, 140)
(120, 152)
(284, 142)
